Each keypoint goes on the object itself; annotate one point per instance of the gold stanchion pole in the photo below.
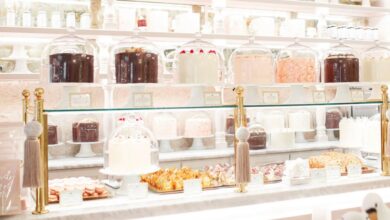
(25, 104)
(384, 134)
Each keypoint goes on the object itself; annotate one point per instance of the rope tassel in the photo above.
(242, 162)
(31, 169)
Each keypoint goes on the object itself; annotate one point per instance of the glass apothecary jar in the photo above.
(376, 64)
(132, 149)
(257, 137)
(297, 64)
(199, 62)
(341, 64)
(70, 59)
(136, 60)
(251, 63)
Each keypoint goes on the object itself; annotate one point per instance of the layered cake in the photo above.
(52, 135)
(136, 66)
(376, 70)
(197, 127)
(283, 138)
(333, 118)
(253, 69)
(296, 70)
(85, 131)
(198, 67)
(71, 68)
(299, 121)
(257, 138)
(341, 69)
(129, 154)
(273, 121)
(164, 126)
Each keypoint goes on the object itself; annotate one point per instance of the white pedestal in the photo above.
(85, 148)
(220, 125)
(197, 96)
(320, 121)
(342, 94)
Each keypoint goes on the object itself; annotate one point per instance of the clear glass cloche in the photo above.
(251, 63)
(376, 64)
(136, 60)
(132, 149)
(257, 137)
(199, 62)
(70, 59)
(297, 63)
(341, 64)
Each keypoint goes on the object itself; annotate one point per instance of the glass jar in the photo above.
(376, 64)
(257, 137)
(341, 65)
(136, 60)
(70, 59)
(297, 64)
(199, 62)
(132, 148)
(252, 63)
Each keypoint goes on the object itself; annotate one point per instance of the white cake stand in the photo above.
(54, 145)
(197, 143)
(165, 145)
(85, 148)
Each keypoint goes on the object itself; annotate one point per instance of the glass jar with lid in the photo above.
(136, 60)
(376, 64)
(341, 64)
(199, 62)
(70, 59)
(297, 64)
(257, 137)
(252, 63)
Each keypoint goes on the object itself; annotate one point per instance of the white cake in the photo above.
(273, 121)
(199, 68)
(197, 127)
(282, 139)
(129, 154)
(361, 133)
(164, 127)
(299, 121)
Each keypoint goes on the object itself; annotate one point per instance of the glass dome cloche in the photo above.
(199, 62)
(376, 64)
(132, 150)
(297, 63)
(70, 59)
(251, 63)
(136, 60)
(341, 64)
(257, 138)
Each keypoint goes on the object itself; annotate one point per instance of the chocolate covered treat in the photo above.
(332, 120)
(341, 69)
(136, 66)
(52, 134)
(85, 131)
(71, 68)
(257, 140)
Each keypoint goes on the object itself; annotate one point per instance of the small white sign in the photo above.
(271, 98)
(333, 172)
(212, 98)
(354, 170)
(138, 190)
(71, 197)
(192, 186)
(257, 179)
(318, 175)
(79, 100)
(357, 95)
(143, 99)
(319, 97)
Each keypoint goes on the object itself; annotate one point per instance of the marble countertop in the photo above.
(210, 200)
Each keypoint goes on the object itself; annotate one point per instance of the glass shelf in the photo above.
(207, 107)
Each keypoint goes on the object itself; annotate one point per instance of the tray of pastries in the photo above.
(343, 160)
(90, 189)
(172, 180)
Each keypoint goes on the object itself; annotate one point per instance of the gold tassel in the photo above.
(31, 172)
(242, 159)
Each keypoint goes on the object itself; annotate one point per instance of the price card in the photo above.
(357, 94)
(71, 197)
(192, 186)
(212, 98)
(332, 172)
(143, 99)
(354, 170)
(271, 97)
(319, 97)
(79, 100)
(138, 190)
(257, 179)
(318, 175)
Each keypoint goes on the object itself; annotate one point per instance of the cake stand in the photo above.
(197, 143)
(54, 145)
(85, 148)
(165, 145)
(128, 177)
(20, 57)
